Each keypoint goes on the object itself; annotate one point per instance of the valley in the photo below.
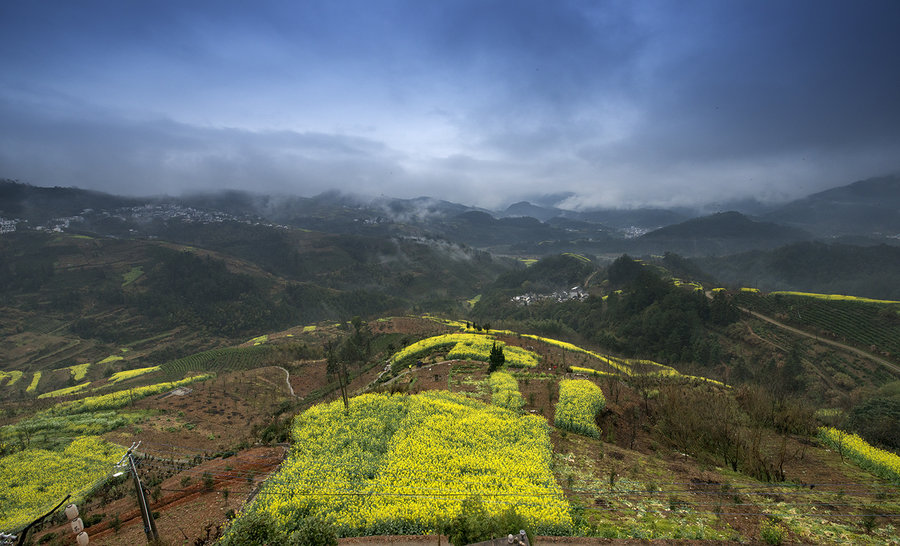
(311, 374)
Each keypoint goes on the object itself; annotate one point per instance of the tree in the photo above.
(334, 365)
(497, 357)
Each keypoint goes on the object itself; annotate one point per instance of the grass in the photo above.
(134, 274)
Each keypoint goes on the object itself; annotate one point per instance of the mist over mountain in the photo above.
(866, 207)
(865, 212)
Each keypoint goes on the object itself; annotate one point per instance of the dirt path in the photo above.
(891, 366)
(287, 378)
(807, 361)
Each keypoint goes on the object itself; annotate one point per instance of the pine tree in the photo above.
(497, 357)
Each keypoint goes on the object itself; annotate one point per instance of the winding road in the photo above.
(890, 365)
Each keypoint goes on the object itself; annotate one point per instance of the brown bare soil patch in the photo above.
(189, 502)
(217, 415)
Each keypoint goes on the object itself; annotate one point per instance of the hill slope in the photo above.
(724, 232)
(866, 207)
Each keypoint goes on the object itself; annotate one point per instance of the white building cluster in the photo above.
(574, 293)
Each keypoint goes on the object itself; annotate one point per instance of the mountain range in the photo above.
(864, 212)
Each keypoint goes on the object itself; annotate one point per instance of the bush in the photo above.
(252, 529)
(473, 524)
(313, 532)
(772, 532)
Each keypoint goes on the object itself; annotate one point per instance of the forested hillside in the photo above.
(867, 271)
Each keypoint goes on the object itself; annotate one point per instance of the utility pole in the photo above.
(146, 514)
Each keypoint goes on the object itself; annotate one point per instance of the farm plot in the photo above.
(221, 360)
(864, 323)
(579, 403)
(464, 347)
(406, 464)
(505, 391)
(33, 480)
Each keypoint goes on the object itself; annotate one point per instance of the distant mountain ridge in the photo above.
(865, 212)
(866, 207)
(720, 233)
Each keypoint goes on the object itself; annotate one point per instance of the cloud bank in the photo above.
(482, 102)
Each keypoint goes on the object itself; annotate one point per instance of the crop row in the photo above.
(128, 374)
(505, 391)
(590, 371)
(49, 430)
(856, 320)
(220, 360)
(877, 461)
(65, 391)
(580, 401)
(405, 464)
(79, 370)
(12, 375)
(833, 297)
(464, 347)
(33, 480)
(119, 399)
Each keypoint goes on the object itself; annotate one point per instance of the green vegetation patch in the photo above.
(834, 297)
(852, 320)
(55, 431)
(221, 360)
(134, 274)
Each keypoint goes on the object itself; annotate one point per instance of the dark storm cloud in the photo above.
(622, 103)
(135, 158)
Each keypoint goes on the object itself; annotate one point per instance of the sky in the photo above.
(598, 103)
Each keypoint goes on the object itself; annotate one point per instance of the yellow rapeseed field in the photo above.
(128, 374)
(466, 347)
(505, 391)
(877, 461)
(34, 480)
(404, 464)
(579, 403)
(35, 379)
(12, 375)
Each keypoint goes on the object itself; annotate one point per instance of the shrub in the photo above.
(772, 532)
